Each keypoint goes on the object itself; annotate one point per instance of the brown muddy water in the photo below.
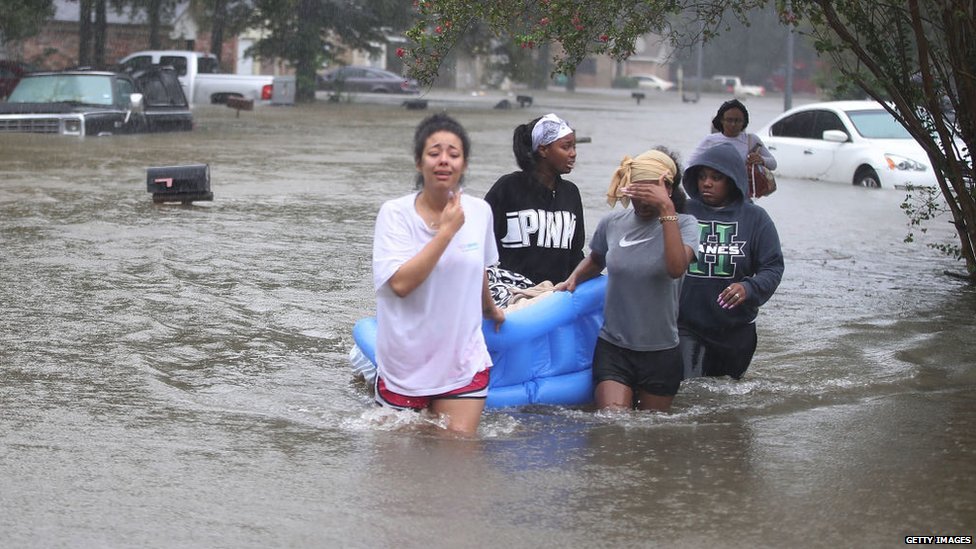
(176, 376)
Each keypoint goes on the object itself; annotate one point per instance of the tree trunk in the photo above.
(308, 35)
(153, 12)
(84, 32)
(217, 28)
(540, 77)
(101, 28)
(925, 119)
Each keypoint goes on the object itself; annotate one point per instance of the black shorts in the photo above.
(656, 372)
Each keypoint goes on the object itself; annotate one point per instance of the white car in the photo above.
(652, 82)
(856, 142)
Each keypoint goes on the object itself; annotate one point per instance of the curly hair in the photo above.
(730, 104)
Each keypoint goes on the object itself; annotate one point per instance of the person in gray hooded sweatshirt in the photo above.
(739, 265)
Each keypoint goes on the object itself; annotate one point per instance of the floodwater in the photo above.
(176, 376)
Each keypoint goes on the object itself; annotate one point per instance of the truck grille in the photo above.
(30, 125)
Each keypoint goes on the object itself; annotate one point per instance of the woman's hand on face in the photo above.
(452, 217)
(653, 194)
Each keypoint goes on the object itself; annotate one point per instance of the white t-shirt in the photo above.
(430, 342)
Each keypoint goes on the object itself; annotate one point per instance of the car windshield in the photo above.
(91, 89)
(877, 124)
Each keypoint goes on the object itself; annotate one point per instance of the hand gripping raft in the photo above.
(543, 353)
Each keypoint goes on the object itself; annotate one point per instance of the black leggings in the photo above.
(727, 353)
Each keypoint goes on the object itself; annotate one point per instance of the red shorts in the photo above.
(478, 388)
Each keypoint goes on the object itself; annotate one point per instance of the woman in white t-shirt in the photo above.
(430, 252)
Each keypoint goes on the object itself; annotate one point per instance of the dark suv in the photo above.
(10, 73)
(83, 102)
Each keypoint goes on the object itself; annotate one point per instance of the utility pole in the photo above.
(788, 84)
(698, 61)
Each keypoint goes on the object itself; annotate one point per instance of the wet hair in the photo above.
(525, 157)
(678, 196)
(440, 122)
(731, 104)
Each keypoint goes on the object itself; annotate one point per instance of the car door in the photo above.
(178, 62)
(133, 122)
(787, 141)
(798, 145)
(379, 81)
(166, 108)
(353, 79)
(828, 153)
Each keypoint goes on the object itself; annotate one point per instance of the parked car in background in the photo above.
(734, 85)
(82, 102)
(653, 82)
(10, 73)
(857, 142)
(200, 76)
(354, 78)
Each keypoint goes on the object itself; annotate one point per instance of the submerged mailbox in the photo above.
(179, 183)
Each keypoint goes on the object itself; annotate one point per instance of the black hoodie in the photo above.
(738, 243)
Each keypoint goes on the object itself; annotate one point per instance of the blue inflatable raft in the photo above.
(542, 354)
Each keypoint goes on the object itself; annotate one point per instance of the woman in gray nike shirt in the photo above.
(646, 251)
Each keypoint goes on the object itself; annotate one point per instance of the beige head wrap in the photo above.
(646, 167)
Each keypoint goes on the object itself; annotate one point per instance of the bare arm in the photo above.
(591, 266)
(759, 154)
(491, 311)
(677, 256)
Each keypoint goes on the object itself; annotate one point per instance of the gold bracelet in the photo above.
(664, 218)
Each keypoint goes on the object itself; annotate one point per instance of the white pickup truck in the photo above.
(198, 73)
(734, 84)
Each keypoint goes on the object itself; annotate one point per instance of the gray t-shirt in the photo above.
(641, 308)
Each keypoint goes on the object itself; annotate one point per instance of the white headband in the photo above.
(549, 128)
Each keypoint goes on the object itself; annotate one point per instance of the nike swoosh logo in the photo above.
(624, 243)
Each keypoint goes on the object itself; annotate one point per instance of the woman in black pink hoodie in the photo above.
(538, 215)
(739, 266)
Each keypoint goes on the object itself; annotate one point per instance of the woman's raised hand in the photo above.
(654, 194)
(452, 217)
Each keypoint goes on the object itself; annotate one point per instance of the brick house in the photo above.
(56, 46)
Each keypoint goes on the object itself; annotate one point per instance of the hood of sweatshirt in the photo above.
(723, 158)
